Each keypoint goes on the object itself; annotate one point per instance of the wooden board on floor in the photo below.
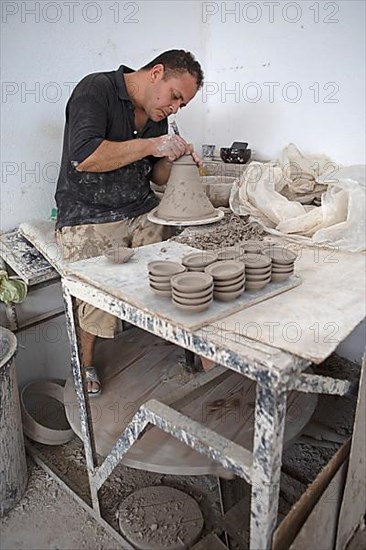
(138, 366)
(314, 517)
(354, 499)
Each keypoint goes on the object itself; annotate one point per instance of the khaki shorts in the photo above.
(80, 242)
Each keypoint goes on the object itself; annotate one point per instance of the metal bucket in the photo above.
(13, 465)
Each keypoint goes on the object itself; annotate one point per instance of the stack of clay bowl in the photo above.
(251, 247)
(160, 273)
(283, 261)
(229, 279)
(197, 261)
(230, 253)
(257, 271)
(192, 292)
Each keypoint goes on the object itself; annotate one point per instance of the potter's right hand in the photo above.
(172, 147)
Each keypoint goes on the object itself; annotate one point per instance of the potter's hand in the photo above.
(169, 146)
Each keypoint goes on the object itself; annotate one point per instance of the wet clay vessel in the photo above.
(185, 198)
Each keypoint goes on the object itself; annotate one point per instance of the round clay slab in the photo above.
(161, 267)
(228, 296)
(160, 518)
(199, 259)
(226, 270)
(191, 282)
(193, 309)
(256, 260)
(280, 254)
(154, 218)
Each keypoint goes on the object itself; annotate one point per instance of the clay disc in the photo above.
(160, 518)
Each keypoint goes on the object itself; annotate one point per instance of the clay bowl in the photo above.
(230, 288)
(203, 294)
(231, 253)
(191, 301)
(256, 285)
(165, 268)
(256, 261)
(261, 277)
(119, 254)
(280, 254)
(254, 271)
(191, 282)
(251, 247)
(197, 261)
(161, 286)
(223, 284)
(228, 296)
(161, 292)
(43, 413)
(159, 278)
(193, 308)
(279, 277)
(225, 270)
(282, 269)
(235, 156)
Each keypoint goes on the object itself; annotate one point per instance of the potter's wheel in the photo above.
(152, 217)
(138, 366)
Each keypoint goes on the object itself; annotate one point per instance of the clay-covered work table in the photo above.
(303, 324)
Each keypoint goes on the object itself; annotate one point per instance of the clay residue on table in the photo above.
(227, 232)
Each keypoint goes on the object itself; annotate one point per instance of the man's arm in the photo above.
(110, 155)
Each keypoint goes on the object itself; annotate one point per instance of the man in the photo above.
(115, 142)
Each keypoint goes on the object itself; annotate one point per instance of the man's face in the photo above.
(166, 97)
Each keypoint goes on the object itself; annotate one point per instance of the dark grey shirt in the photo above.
(100, 108)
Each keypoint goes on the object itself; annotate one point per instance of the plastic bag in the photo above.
(339, 221)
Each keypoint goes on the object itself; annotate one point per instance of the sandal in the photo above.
(92, 376)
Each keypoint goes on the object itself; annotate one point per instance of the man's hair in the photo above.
(176, 62)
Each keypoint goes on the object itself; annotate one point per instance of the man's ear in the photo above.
(157, 73)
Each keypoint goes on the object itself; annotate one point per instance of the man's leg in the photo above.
(87, 344)
(82, 242)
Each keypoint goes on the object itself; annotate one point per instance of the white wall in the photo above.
(300, 81)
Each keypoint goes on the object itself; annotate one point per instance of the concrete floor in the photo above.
(47, 518)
